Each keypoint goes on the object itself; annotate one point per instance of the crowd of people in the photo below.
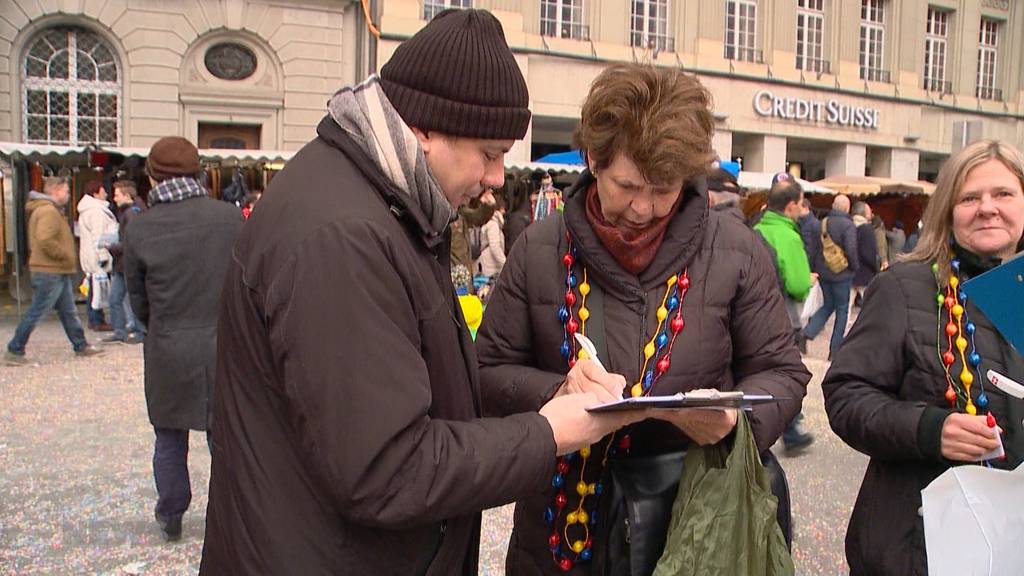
(357, 425)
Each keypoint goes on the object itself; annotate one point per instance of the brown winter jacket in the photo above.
(346, 429)
(884, 397)
(737, 334)
(50, 243)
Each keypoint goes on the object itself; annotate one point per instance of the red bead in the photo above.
(565, 564)
(563, 467)
(990, 420)
(570, 298)
(572, 362)
(948, 358)
(624, 443)
(949, 302)
(950, 396)
(951, 329)
(554, 540)
(567, 259)
(572, 325)
(561, 500)
(663, 365)
(684, 282)
(677, 325)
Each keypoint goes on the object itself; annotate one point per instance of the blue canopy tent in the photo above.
(572, 157)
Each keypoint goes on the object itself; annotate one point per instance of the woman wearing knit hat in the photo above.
(348, 436)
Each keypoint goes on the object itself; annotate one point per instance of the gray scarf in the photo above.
(364, 112)
(176, 190)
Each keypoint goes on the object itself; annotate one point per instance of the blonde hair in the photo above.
(934, 242)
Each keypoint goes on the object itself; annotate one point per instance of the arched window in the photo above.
(71, 89)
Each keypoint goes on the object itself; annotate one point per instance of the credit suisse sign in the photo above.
(815, 111)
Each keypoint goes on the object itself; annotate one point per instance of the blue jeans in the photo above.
(837, 299)
(49, 291)
(95, 316)
(118, 317)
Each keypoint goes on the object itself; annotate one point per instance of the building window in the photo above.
(810, 36)
(563, 19)
(936, 34)
(988, 45)
(432, 7)
(650, 25)
(741, 31)
(872, 41)
(71, 89)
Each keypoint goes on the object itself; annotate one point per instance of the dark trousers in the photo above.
(170, 471)
(49, 292)
(837, 299)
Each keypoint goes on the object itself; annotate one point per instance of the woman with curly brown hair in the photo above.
(675, 298)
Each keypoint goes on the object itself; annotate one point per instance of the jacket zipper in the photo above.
(643, 328)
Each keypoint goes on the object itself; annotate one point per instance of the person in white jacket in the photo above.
(97, 228)
(492, 241)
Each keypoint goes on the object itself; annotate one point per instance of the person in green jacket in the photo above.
(779, 228)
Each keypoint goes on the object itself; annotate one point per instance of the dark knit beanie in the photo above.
(170, 157)
(457, 76)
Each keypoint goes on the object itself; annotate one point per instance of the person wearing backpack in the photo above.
(835, 266)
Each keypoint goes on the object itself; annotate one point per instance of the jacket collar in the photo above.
(683, 237)
(774, 219)
(400, 203)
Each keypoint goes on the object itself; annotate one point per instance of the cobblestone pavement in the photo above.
(76, 489)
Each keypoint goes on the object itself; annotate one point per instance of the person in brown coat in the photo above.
(52, 263)
(676, 298)
(347, 435)
(913, 401)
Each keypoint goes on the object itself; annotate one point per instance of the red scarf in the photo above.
(632, 249)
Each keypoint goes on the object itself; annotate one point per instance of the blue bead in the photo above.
(558, 481)
(974, 359)
(585, 555)
(593, 518)
(549, 516)
(569, 457)
(662, 340)
(672, 303)
(566, 350)
(970, 328)
(563, 314)
(982, 401)
(963, 296)
(955, 265)
(598, 488)
(648, 379)
(572, 280)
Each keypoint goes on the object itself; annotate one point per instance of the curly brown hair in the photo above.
(659, 117)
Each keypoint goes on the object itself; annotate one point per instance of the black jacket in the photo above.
(347, 437)
(176, 255)
(810, 233)
(844, 234)
(867, 255)
(884, 397)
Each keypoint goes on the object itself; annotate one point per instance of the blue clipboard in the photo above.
(1000, 295)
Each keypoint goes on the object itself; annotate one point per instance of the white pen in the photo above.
(1005, 384)
(590, 348)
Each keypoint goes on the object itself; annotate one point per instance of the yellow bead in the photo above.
(636, 390)
(953, 281)
(961, 343)
(584, 314)
(577, 546)
(585, 452)
(570, 518)
(583, 354)
(966, 377)
(649, 350)
(662, 313)
(585, 288)
(583, 517)
(972, 410)
(592, 489)
(671, 281)
(958, 311)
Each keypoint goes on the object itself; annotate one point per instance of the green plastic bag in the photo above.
(723, 518)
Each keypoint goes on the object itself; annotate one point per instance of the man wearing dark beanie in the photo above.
(348, 436)
(175, 257)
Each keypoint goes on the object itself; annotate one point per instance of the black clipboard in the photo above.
(726, 400)
(999, 293)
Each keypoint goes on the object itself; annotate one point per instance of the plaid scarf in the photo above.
(176, 190)
(365, 112)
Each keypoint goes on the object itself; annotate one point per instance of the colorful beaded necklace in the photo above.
(958, 390)
(565, 550)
